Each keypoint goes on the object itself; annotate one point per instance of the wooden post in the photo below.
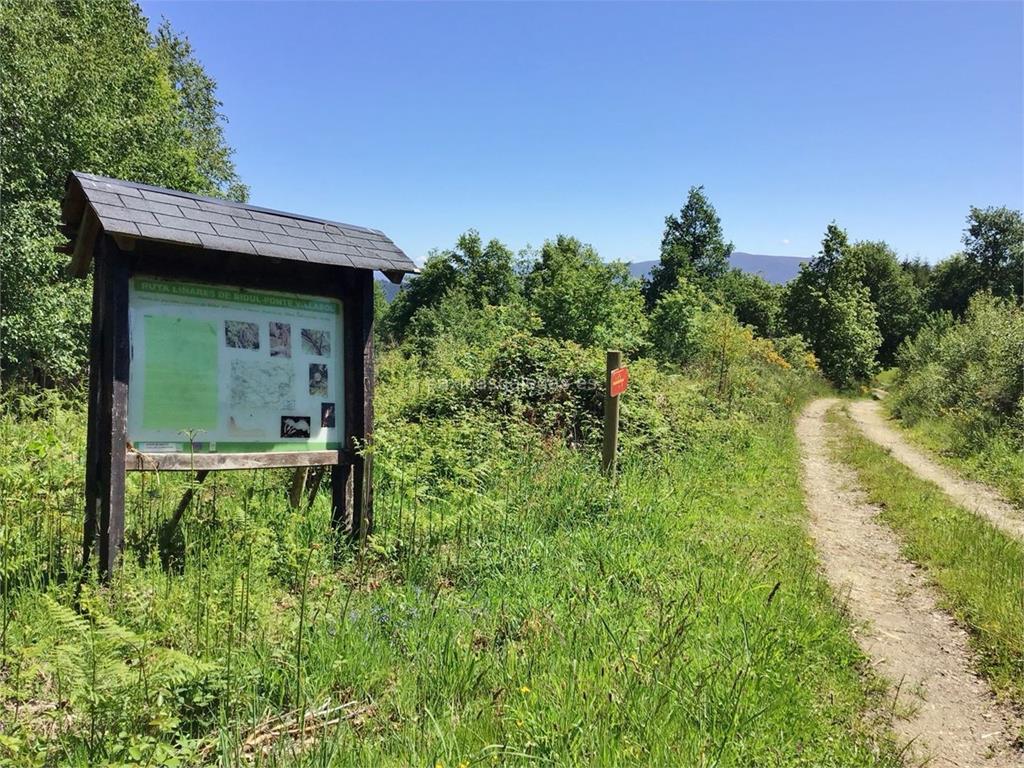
(352, 478)
(108, 408)
(96, 385)
(609, 448)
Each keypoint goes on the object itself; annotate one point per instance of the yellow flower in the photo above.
(525, 689)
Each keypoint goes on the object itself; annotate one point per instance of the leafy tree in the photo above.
(952, 283)
(485, 271)
(86, 87)
(919, 272)
(580, 298)
(692, 246)
(753, 300)
(674, 329)
(830, 306)
(200, 115)
(992, 260)
(483, 274)
(994, 245)
(897, 301)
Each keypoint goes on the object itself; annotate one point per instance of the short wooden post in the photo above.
(609, 448)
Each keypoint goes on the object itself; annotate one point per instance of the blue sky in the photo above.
(527, 120)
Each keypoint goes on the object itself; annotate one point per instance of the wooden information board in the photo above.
(223, 336)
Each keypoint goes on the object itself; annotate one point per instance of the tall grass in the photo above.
(513, 606)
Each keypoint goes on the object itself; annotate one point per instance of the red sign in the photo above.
(620, 380)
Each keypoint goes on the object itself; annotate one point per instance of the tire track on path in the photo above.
(974, 497)
(954, 719)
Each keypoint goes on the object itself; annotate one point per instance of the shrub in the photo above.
(969, 371)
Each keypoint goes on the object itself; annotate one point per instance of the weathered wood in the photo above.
(125, 242)
(184, 462)
(169, 530)
(95, 408)
(85, 244)
(313, 481)
(363, 481)
(116, 359)
(298, 486)
(352, 494)
(610, 445)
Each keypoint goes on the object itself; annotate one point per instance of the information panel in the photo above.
(218, 369)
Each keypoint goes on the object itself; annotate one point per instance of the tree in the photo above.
(674, 323)
(485, 271)
(897, 301)
(953, 281)
(830, 306)
(580, 298)
(484, 275)
(753, 300)
(919, 272)
(994, 245)
(692, 244)
(86, 87)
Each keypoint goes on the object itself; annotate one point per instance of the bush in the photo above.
(969, 372)
(673, 323)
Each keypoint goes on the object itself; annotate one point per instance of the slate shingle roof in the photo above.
(153, 213)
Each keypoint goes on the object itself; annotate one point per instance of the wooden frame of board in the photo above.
(126, 230)
(108, 456)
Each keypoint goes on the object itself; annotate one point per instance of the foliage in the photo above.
(85, 87)
(994, 245)
(919, 271)
(692, 246)
(992, 260)
(969, 375)
(511, 596)
(830, 306)
(753, 300)
(484, 274)
(897, 301)
(673, 323)
(580, 298)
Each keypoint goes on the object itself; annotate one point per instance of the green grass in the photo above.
(979, 569)
(997, 463)
(513, 608)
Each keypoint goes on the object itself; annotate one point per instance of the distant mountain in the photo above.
(390, 289)
(774, 269)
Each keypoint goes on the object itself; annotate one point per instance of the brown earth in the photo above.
(946, 713)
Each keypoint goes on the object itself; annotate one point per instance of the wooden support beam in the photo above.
(116, 359)
(352, 483)
(96, 411)
(185, 462)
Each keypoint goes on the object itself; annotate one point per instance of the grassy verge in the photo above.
(998, 463)
(979, 570)
(522, 611)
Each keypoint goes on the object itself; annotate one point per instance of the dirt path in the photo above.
(976, 498)
(953, 719)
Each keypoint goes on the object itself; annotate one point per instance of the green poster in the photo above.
(180, 374)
